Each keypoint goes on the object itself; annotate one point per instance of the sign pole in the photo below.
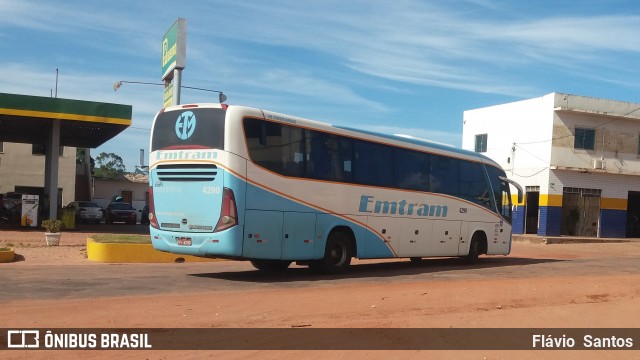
(177, 85)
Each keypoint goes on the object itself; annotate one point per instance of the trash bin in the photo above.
(68, 218)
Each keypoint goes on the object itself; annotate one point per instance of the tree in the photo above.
(80, 159)
(110, 166)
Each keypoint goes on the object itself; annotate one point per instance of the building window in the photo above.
(585, 139)
(1, 147)
(481, 143)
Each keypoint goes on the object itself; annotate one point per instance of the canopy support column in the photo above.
(51, 164)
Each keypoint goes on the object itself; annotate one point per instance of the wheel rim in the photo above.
(338, 253)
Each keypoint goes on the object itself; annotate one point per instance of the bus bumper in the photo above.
(223, 243)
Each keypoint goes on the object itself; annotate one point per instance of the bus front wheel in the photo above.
(477, 247)
(270, 265)
(337, 255)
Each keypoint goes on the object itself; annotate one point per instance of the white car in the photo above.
(86, 211)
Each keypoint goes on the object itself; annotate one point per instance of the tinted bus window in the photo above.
(501, 192)
(473, 184)
(276, 147)
(412, 170)
(194, 127)
(329, 157)
(373, 164)
(445, 175)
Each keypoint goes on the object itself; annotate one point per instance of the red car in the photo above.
(120, 212)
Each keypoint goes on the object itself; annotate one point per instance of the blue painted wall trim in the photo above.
(519, 212)
(613, 223)
(550, 221)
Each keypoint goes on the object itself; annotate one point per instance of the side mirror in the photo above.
(517, 186)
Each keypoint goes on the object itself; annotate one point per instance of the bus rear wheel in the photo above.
(270, 265)
(337, 255)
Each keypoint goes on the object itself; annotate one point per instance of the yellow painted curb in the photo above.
(134, 253)
(7, 256)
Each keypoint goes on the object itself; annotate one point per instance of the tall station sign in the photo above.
(174, 53)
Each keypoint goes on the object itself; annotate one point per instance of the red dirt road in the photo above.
(553, 286)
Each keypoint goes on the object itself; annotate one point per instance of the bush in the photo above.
(52, 225)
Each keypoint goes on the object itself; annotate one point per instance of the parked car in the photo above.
(120, 212)
(86, 211)
(144, 216)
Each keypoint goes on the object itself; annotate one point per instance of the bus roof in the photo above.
(427, 145)
(423, 143)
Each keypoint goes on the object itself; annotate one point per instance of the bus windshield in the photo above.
(177, 129)
(501, 192)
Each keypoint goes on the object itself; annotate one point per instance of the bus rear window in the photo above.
(189, 128)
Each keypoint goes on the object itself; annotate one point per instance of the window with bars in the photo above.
(585, 139)
(481, 143)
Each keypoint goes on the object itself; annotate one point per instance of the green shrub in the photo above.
(52, 225)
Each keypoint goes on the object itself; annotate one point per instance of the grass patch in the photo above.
(122, 238)
(4, 249)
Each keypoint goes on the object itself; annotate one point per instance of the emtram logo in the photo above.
(185, 125)
(23, 339)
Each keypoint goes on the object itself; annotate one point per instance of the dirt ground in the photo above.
(587, 299)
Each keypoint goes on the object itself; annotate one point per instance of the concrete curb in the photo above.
(569, 240)
(7, 256)
(135, 253)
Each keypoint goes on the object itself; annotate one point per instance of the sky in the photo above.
(400, 67)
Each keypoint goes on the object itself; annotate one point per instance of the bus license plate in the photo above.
(183, 241)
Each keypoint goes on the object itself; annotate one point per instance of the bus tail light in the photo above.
(229, 212)
(153, 221)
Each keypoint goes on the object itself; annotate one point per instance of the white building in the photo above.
(578, 158)
(133, 188)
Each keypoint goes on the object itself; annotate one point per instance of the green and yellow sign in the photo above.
(174, 48)
(168, 95)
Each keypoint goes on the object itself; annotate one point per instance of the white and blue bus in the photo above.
(248, 184)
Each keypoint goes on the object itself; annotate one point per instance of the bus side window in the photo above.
(412, 170)
(445, 175)
(271, 145)
(373, 164)
(473, 184)
(329, 157)
(292, 149)
(318, 164)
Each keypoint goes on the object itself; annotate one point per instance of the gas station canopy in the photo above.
(55, 122)
(29, 119)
